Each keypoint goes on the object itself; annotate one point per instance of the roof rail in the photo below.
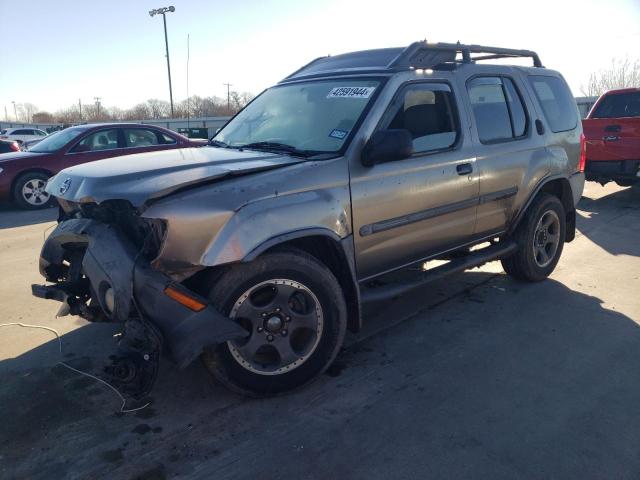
(428, 55)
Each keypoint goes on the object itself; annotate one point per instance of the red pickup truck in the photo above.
(612, 138)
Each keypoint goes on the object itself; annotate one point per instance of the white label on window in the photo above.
(351, 92)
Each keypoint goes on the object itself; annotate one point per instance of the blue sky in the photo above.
(52, 53)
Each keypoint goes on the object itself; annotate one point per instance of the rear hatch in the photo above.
(612, 129)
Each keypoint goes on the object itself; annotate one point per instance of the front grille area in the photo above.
(145, 233)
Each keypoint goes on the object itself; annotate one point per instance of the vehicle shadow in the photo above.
(608, 221)
(11, 216)
(494, 383)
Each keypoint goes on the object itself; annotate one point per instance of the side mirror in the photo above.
(387, 146)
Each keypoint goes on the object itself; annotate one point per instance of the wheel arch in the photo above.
(560, 187)
(334, 252)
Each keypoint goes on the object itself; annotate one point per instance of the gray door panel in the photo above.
(404, 210)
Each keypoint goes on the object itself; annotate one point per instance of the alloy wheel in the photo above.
(286, 321)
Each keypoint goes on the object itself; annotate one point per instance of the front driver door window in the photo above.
(98, 141)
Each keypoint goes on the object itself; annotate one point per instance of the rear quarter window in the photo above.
(556, 101)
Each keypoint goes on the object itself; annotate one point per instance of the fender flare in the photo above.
(287, 237)
(569, 211)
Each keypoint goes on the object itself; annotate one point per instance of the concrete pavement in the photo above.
(475, 376)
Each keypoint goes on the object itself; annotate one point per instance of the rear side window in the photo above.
(140, 137)
(497, 108)
(426, 110)
(618, 105)
(558, 105)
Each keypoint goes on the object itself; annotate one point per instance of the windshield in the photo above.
(312, 117)
(57, 140)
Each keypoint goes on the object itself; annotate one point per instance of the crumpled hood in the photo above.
(145, 176)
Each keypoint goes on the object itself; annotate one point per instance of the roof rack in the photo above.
(429, 55)
(417, 55)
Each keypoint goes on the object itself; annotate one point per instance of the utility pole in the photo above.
(162, 11)
(6, 117)
(97, 99)
(15, 112)
(80, 107)
(228, 98)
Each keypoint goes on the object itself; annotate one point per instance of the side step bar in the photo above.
(474, 259)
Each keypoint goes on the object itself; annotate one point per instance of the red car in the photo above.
(612, 136)
(23, 175)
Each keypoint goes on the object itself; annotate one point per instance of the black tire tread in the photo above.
(17, 189)
(223, 293)
(521, 264)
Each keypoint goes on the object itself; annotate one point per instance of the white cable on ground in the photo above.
(55, 332)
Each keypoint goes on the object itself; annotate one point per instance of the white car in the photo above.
(22, 134)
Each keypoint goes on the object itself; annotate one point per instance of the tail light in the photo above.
(583, 153)
(14, 146)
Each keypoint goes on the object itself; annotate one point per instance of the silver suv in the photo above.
(256, 252)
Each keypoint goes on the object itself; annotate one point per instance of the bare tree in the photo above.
(153, 108)
(158, 108)
(621, 74)
(43, 117)
(137, 112)
(68, 115)
(27, 109)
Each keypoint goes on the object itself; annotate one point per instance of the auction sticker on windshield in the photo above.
(351, 92)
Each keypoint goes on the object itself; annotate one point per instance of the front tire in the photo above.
(296, 313)
(540, 238)
(29, 193)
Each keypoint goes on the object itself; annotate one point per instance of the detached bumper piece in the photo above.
(99, 275)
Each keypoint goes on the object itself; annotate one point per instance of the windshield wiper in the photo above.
(217, 143)
(280, 147)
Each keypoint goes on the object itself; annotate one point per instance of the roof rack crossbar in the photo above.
(426, 55)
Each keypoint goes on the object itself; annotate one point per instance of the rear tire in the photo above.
(28, 191)
(297, 315)
(540, 238)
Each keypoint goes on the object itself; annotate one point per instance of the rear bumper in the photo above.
(110, 261)
(606, 170)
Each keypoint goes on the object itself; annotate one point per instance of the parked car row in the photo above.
(22, 134)
(24, 174)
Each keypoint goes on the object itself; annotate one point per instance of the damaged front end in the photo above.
(98, 263)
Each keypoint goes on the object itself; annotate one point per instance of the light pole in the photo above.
(228, 85)
(15, 112)
(163, 11)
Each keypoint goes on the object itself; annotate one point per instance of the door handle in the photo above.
(464, 168)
